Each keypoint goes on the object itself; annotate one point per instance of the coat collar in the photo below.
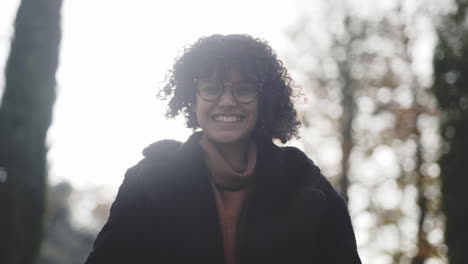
(270, 169)
(274, 178)
(266, 220)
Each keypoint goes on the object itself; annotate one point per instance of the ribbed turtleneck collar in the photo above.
(224, 176)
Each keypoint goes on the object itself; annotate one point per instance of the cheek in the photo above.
(198, 107)
(201, 111)
(199, 116)
(195, 111)
(254, 113)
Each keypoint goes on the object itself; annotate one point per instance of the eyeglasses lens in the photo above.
(243, 92)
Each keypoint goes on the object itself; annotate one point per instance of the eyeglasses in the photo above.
(243, 92)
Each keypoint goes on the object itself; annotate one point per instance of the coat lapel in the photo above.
(273, 229)
(183, 198)
(260, 224)
(200, 202)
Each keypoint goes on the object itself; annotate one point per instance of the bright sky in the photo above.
(113, 56)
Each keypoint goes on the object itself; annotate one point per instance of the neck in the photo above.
(234, 154)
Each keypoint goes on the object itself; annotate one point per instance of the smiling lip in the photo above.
(227, 118)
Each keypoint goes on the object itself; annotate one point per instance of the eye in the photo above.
(246, 89)
(210, 89)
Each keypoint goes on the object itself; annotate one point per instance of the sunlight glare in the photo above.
(114, 57)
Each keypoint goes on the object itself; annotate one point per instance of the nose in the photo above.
(227, 99)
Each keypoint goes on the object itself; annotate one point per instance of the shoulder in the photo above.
(169, 149)
(155, 157)
(297, 158)
(165, 160)
(310, 174)
(161, 149)
(315, 185)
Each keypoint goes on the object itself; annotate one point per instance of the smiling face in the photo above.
(225, 120)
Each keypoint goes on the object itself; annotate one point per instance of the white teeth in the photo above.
(227, 118)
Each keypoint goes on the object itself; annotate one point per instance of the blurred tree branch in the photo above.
(385, 105)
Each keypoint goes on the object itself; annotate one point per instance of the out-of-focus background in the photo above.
(384, 112)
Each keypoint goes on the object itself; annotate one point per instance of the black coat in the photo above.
(165, 212)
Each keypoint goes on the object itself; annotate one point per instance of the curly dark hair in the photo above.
(254, 58)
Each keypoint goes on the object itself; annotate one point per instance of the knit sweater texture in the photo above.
(230, 190)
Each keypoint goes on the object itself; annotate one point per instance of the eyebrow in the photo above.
(240, 81)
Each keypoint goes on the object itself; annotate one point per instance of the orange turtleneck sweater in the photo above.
(230, 189)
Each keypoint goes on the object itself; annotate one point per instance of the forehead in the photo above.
(233, 74)
(230, 73)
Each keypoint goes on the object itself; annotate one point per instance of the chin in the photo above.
(227, 138)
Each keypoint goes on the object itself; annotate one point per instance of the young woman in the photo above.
(228, 194)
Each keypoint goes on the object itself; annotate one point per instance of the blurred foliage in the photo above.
(370, 107)
(63, 242)
(25, 116)
(451, 90)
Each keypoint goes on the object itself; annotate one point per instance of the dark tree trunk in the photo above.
(346, 130)
(451, 89)
(349, 108)
(25, 116)
(422, 253)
